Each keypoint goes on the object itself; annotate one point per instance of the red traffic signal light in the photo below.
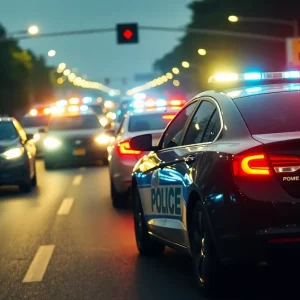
(127, 33)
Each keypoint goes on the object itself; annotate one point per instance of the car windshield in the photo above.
(271, 113)
(7, 131)
(74, 122)
(154, 121)
(39, 121)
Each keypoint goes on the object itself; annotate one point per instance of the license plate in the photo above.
(79, 152)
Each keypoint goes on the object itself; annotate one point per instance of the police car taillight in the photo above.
(125, 149)
(251, 165)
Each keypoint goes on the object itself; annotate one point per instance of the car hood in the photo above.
(5, 145)
(74, 133)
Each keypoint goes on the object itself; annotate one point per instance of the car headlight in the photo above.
(36, 137)
(102, 139)
(13, 153)
(52, 143)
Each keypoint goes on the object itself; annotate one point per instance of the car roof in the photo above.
(152, 112)
(6, 119)
(246, 91)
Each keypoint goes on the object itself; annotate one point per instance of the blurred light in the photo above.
(33, 30)
(169, 75)
(111, 115)
(175, 102)
(87, 99)
(74, 100)
(175, 70)
(62, 103)
(150, 103)
(176, 82)
(291, 74)
(253, 90)
(71, 77)
(138, 104)
(102, 139)
(226, 76)
(60, 80)
(168, 117)
(99, 99)
(202, 52)
(252, 76)
(52, 143)
(84, 108)
(161, 102)
(36, 137)
(234, 93)
(33, 112)
(73, 108)
(112, 93)
(103, 121)
(51, 53)
(185, 64)
(67, 72)
(108, 104)
(233, 19)
(13, 153)
(139, 96)
(47, 111)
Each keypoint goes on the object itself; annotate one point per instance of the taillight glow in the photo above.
(284, 163)
(175, 102)
(247, 165)
(125, 149)
(168, 117)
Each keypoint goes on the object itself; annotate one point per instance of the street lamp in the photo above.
(293, 24)
(33, 30)
(202, 52)
(51, 53)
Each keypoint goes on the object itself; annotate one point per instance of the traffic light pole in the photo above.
(157, 28)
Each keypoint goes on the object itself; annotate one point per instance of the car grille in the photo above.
(78, 142)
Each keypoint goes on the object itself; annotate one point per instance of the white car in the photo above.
(122, 158)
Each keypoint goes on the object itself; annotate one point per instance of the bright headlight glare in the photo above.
(13, 153)
(52, 143)
(36, 136)
(102, 139)
(103, 121)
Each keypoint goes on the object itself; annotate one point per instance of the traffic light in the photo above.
(127, 33)
(293, 52)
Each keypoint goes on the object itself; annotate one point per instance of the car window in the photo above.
(7, 131)
(20, 130)
(172, 136)
(75, 122)
(199, 130)
(213, 127)
(270, 113)
(153, 121)
(121, 127)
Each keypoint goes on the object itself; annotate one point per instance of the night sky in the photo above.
(98, 56)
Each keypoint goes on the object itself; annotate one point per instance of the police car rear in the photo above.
(75, 136)
(122, 157)
(223, 184)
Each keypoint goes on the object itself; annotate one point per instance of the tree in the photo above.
(231, 53)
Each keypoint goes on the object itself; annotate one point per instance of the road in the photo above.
(65, 241)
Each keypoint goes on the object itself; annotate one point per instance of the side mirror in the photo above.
(142, 143)
(42, 130)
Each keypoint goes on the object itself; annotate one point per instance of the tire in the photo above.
(25, 188)
(34, 179)
(206, 264)
(145, 244)
(119, 200)
(48, 165)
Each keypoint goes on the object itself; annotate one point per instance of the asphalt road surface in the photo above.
(65, 241)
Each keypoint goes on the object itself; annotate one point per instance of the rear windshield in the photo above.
(149, 122)
(74, 122)
(39, 121)
(271, 113)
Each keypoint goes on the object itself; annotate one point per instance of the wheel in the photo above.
(145, 244)
(207, 267)
(119, 200)
(34, 179)
(25, 187)
(48, 165)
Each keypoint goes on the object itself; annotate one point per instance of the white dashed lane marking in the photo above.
(39, 264)
(65, 207)
(77, 180)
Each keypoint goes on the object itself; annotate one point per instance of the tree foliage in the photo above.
(24, 78)
(231, 53)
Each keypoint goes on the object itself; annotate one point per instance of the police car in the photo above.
(150, 117)
(223, 184)
(74, 136)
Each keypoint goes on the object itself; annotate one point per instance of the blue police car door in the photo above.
(172, 181)
(169, 182)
